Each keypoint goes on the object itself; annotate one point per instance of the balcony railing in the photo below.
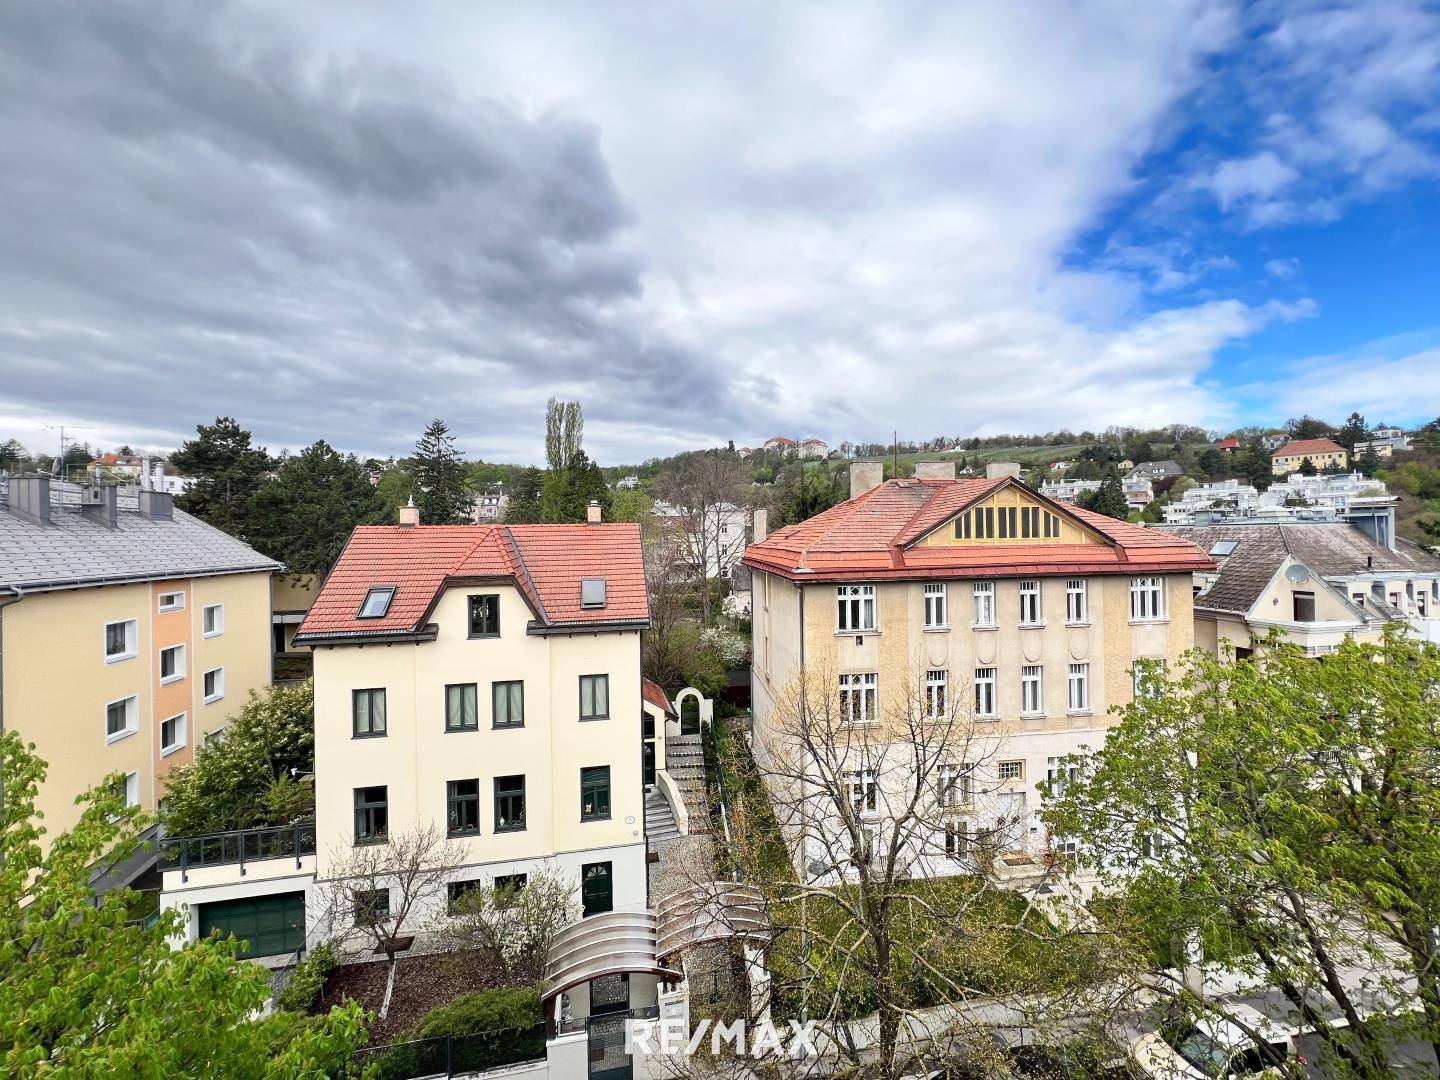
(186, 853)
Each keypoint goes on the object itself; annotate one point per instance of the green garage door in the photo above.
(271, 924)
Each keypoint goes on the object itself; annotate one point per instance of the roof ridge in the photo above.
(525, 568)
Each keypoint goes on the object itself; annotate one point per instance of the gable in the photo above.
(1011, 515)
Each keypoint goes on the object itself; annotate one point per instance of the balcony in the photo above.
(241, 850)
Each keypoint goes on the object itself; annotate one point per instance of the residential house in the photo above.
(746, 451)
(1383, 445)
(1155, 470)
(1215, 501)
(813, 448)
(1274, 442)
(490, 507)
(718, 543)
(1068, 490)
(1030, 612)
(1321, 453)
(115, 467)
(1383, 432)
(1061, 467)
(779, 444)
(1316, 583)
(1139, 492)
(129, 632)
(1228, 445)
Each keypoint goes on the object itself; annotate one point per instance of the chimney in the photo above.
(865, 476)
(409, 514)
(157, 505)
(99, 503)
(759, 525)
(30, 498)
(592, 512)
(935, 470)
(996, 469)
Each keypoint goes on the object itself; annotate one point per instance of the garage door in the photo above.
(271, 924)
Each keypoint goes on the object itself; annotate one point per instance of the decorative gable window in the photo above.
(377, 602)
(984, 603)
(1077, 601)
(1147, 598)
(936, 612)
(485, 615)
(1030, 603)
(855, 608)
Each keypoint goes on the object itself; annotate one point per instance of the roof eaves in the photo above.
(427, 632)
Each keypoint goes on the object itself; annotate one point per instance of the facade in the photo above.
(1316, 583)
(113, 467)
(1383, 445)
(718, 542)
(1139, 492)
(291, 597)
(1029, 612)
(130, 632)
(813, 448)
(779, 444)
(490, 507)
(1068, 490)
(1344, 497)
(1228, 445)
(1321, 453)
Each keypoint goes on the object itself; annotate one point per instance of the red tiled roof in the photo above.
(1309, 446)
(873, 536)
(1226, 444)
(546, 563)
(652, 693)
(780, 439)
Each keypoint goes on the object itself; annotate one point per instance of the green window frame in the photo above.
(371, 906)
(595, 793)
(507, 704)
(462, 808)
(461, 707)
(372, 815)
(367, 713)
(485, 615)
(594, 697)
(458, 892)
(509, 804)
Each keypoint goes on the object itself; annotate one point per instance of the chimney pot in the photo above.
(865, 476)
(593, 512)
(935, 470)
(759, 525)
(409, 514)
(996, 469)
(159, 505)
(30, 498)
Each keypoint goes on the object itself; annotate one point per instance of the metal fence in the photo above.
(185, 853)
(448, 1055)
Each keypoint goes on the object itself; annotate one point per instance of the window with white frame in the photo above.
(214, 736)
(1010, 770)
(212, 620)
(857, 697)
(1032, 689)
(1147, 598)
(957, 839)
(864, 790)
(122, 718)
(1149, 677)
(937, 615)
(1061, 771)
(1030, 603)
(1151, 845)
(1077, 601)
(214, 684)
(172, 601)
(172, 734)
(984, 603)
(855, 608)
(937, 693)
(121, 637)
(172, 663)
(128, 789)
(985, 691)
(953, 786)
(1079, 696)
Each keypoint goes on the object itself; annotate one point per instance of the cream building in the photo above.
(129, 632)
(1026, 613)
(1321, 453)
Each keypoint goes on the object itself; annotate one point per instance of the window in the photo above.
(1149, 677)
(462, 807)
(507, 886)
(953, 786)
(460, 707)
(371, 906)
(957, 839)
(367, 709)
(936, 615)
(864, 790)
(594, 697)
(1147, 598)
(172, 601)
(122, 718)
(595, 793)
(1077, 601)
(1060, 771)
(377, 602)
(1304, 606)
(1151, 845)
(937, 699)
(485, 615)
(1221, 548)
(127, 788)
(509, 803)
(1032, 689)
(458, 895)
(1010, 770)
(858, 697)
(507, 700)
(214, 736)
(869, 845)
(120, 638)
(985, 691)
(372, 814)
(212, 620)
(172, 664)
(172, 734)
(855, 608)
(592, 592)
(213, 684)
(1079, 699)
(1029, 603)
(984, 603)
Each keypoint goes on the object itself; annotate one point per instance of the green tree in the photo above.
(524, 508)
(1307, 427)
(1109, 499)
(12, 453)
(1369, 462)
(1292, 804)
(631, 505)
(566, 493)
(1307, 467)
(439, 477)
(1351, 432)
(87, 992)
(304, 516)
(227, 471)
(564, 433)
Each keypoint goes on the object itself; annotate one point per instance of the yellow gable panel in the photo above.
(1010, 516)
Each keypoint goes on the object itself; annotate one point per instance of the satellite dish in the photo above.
(1297, 574)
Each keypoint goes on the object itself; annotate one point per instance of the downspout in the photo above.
(16, 595)
(804, 827)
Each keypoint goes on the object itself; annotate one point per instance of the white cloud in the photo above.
(1283, 269)
(1363, 380)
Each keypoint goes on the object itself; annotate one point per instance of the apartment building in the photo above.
(1321, 453)
(483, 681)
(1030, 612)
(129, 632)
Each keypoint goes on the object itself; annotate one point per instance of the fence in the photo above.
(447, 1055)
(185, 853)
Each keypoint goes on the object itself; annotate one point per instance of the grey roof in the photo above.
(74, 550)
(1167, 467)
(1331, 549)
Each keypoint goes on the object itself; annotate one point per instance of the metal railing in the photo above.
(451, 1055)
(571, 1024)
(242, 846)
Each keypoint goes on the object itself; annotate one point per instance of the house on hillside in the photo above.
(813, 448)
(1383, 445)
(1274, 442)
(779, 444)
(1228, 445)
(116, 467)
(1321, 453)
(1155, 470)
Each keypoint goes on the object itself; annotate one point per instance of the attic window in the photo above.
(592, 592)
(1222, 548)
(377, 602)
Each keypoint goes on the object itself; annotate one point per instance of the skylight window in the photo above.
(377, 602)
(592, 592)
(1224, 547)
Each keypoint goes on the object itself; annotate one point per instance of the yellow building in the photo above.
(129, 631)
(1321, 453)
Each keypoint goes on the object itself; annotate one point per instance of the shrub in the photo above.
(308, 981)
(484, 1010)
(488, 1028)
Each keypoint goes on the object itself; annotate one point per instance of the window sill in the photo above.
(1079, 712)
(166, 751)
(1081, 622)
(170, 610)
(376, 842)
(590, 719)
(857, 633)
(1032, 625)
(937, 629)
(122, 658)
(368, 735)
(521, 726)
(988, 627)
(211, 699)
(477, 637)
(458, 730)
(989, 718)
(119, 736)
(1033, 715)
(469, 834)
(213, 633)
(587, 820)
(1150, 622)
(510, 829)
(171, 679)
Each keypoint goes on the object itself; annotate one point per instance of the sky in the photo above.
(712, 222)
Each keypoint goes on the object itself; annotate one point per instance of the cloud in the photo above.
(1365, 379)
(1283, 269)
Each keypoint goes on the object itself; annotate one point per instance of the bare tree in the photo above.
(706, 490)
(513, 924)
(377, 891)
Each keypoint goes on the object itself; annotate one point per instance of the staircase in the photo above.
(659, 821)
(685, 762)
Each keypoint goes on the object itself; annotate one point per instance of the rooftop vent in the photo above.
(592, 592)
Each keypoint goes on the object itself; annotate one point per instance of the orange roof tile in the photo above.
(1309, 446)
(652, 693)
